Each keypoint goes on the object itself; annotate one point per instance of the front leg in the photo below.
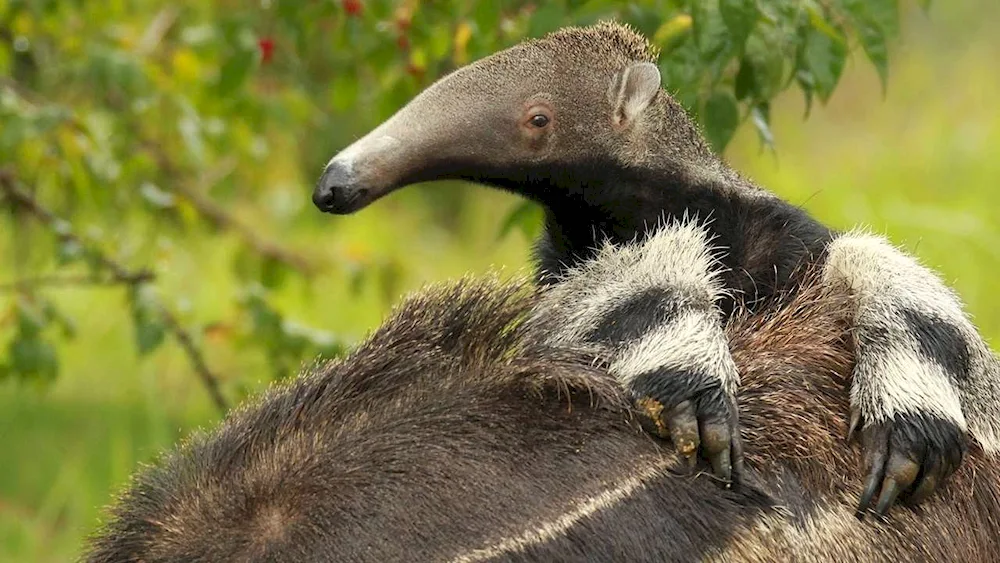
(651, 308)
(684, 381)
(921, 369)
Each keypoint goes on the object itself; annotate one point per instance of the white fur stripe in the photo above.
(677, 257)
(541, 532)
(694, 341)
(895, 377)
(878, 271)
(901, 381)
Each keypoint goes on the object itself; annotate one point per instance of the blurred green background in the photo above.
(184, 139)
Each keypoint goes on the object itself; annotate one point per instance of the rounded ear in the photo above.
(632, 90)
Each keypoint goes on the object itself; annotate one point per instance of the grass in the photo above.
(919, 164)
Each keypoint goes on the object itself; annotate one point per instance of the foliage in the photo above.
(126, 125)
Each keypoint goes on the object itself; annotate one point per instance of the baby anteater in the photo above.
(577, 122)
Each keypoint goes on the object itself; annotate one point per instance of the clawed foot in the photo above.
(908, 458)
(705, 425)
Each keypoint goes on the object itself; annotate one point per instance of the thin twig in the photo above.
(184, 338)
(17, 196)
(58, 226)
(140, 276)
(222, 219)
(214, 213)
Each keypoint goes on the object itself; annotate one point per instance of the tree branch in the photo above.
(214, 213)
(61, 228)
(137, 277)
(222, 219)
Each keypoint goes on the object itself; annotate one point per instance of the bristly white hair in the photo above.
(893, 376)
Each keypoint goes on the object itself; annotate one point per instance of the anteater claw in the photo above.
(683, 424)
(907, 458)
(700, 428)
(928, 482)
(716, 441)
(852, 430)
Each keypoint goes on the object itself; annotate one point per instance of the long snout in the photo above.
(366, 170)
(449, 131)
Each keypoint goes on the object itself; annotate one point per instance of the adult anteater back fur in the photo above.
(452, 434)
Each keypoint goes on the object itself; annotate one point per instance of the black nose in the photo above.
(334, 190)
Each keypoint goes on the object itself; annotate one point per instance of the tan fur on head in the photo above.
(614, 43)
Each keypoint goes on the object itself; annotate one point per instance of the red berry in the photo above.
(403, 42)
(266, 45)
(352, 7)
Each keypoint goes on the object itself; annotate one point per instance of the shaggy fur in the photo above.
(457, 433)
(602, 179)
(652, 309)
(921, 341)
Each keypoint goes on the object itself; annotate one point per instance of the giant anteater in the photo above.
(455, 433)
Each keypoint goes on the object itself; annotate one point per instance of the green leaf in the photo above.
(884, 14)
(33, 358)
(740, 16)
(526, 217)
(30, 319)
(593, 11)
(486, 16)
(761, 117)
(266, 321)
(746, 80)
(149, 334)
(713, 39)
(149, 328)
(235, 71)
(58, 318)
(823, 56)
(681, 71)
(546, 18)
(873, 42)
(806, 83)
(761, 72)
(876, 21)
(721, 116)
(273, 273)
(673, 32)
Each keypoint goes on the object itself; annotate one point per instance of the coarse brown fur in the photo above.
(578, 122)
(451, 434)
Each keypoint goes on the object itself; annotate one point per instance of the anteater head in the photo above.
(545, 118)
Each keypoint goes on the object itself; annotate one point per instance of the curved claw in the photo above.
(907, 458)
(928, 482)
(707, 425)
(852, 430)
(875, 459)
(737, 455)
(900, 473)
(890, 490)
(716, 442)
(683, 424)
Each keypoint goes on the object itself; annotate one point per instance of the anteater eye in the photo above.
(539, 120)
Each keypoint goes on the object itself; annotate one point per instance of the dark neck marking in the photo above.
(765, 241)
